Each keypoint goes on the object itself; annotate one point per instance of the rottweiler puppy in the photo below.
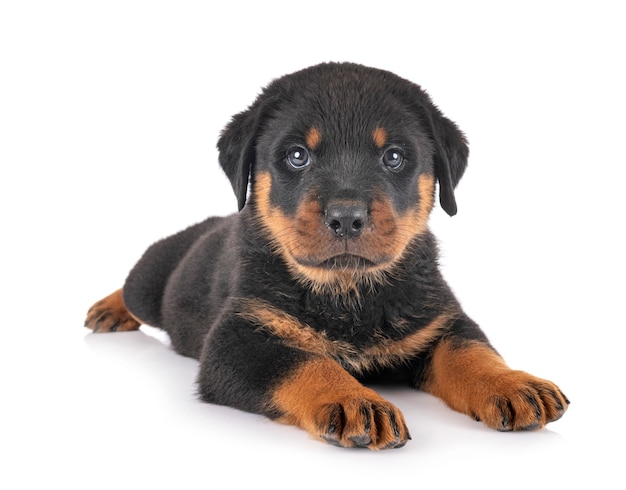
(327, 279)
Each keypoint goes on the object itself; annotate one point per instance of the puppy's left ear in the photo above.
(237, 147)
(451, 153)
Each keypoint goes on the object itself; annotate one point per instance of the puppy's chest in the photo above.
(361, 337)
(357, 325)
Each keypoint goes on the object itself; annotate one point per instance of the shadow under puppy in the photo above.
(327, 278)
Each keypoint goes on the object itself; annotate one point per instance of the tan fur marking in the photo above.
(380, 137)
(313, 138)
(426, 189)
(287, 239)
(323, 399)
(111, 315)
(473, 379)
(388, 352)
(456, 370)
(304, 238)
(301, 336)
(294, 332)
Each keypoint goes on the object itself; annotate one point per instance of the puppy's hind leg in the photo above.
(111, 315)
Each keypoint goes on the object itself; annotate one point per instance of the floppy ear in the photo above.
(451, 153)
(237, 148)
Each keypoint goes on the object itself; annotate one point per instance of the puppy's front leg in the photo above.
(253, 370)
(473, 379)
(322, 398)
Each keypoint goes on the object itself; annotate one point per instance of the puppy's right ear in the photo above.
(237, 147)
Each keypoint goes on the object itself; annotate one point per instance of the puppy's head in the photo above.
(343, 161)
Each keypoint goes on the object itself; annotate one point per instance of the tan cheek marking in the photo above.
(415, 222)
(278, 225)
(313, 138)
(405, 227)
(286, 240)
(283, 232)
(380, 137)
(393, 234)
(426, 188)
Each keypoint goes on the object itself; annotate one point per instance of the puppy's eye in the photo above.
(393, 158)
(298, 157)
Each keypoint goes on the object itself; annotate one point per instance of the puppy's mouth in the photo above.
(344, 261)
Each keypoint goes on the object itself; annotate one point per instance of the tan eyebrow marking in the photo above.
(313, 138)
(380, 137)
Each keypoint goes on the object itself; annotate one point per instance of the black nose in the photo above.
(346, 218)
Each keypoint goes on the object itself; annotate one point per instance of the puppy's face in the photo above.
(344, 180)
(344, 164)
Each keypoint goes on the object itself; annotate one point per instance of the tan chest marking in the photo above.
(297, 334)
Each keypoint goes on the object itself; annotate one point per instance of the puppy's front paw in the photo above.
(473, 379)
(322, 398)
(519, 401)
(362, 423)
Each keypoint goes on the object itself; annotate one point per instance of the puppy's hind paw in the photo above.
(110, 315)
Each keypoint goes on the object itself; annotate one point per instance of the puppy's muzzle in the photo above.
(346, 218)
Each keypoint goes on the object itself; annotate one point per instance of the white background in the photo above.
(109, 115)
